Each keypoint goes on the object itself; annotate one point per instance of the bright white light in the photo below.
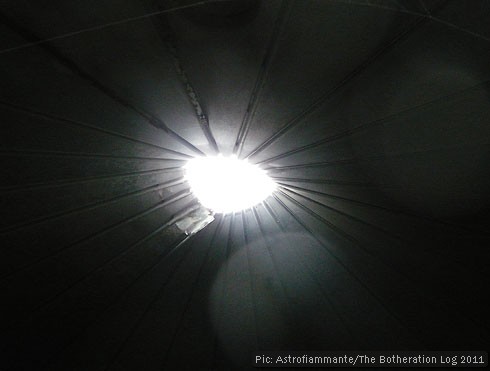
(227, 184)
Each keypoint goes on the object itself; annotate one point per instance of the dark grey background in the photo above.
(373, 116)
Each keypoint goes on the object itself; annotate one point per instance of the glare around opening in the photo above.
(227, 184)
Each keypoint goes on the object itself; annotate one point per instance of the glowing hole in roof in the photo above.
(227, 184)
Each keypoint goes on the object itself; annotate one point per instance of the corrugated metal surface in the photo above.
(372, 116)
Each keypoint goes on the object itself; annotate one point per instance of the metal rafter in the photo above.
(80, 72)
(255, 96)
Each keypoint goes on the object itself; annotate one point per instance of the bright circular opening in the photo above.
(227, 184)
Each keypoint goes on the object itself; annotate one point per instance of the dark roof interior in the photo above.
(372, 116)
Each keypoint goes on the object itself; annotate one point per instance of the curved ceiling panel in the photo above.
(370, 116)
